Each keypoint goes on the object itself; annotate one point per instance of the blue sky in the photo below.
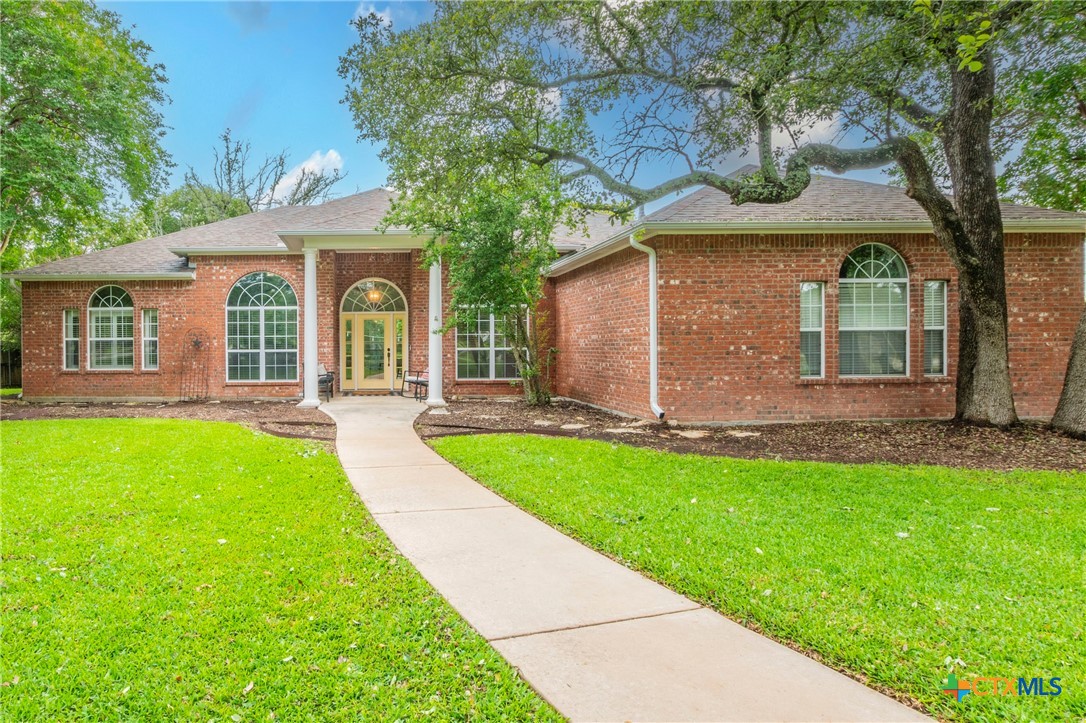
(267, 70)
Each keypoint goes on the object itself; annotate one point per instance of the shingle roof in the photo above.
(358, 212)
(828, 198)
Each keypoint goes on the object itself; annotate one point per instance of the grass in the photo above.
(897, 574)
(10, 392)
(159, 569)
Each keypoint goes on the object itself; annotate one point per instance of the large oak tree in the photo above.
(607, 92)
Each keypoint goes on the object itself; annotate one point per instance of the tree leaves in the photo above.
(80, 126)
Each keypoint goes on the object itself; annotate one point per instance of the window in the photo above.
(150, 338)
(111, 329)
(482, 349)
(874, 313)
(935, 328)
(811, 321)
(261, 330)
(71, 339)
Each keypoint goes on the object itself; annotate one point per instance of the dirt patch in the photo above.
(283, 419)
(1028, 446)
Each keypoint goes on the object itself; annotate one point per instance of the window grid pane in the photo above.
(482, 348)
(811, 316)
(262, 330)
(150, 338)
(71, 339)
(935, 328)
(111, 340)
(873, 318)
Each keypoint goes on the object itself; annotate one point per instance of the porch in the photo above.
(372, 313)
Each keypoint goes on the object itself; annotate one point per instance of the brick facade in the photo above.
(728, 316)
(184, 306)
(729, 328)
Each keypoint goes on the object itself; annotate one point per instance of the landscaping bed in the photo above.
(281, 418)
(161, 569)
(1028, 446)
(895, 575)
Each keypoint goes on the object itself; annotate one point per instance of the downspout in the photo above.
(654, 340)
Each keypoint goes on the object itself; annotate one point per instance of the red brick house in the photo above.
(839, 304)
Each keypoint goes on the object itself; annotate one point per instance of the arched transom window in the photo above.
(373, 295)
(261, 329)
(111, 344)
(874, 313)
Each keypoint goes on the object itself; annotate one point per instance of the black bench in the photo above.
(419, 382)
(326, 383)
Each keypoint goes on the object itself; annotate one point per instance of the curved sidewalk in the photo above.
(597, 640)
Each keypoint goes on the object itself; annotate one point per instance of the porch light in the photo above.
(374, 295)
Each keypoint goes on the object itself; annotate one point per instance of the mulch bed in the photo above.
(283, 419)
(1028, 446)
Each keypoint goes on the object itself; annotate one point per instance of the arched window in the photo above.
(261, 330)
(375, 296)
(111, 344)
(874, 313)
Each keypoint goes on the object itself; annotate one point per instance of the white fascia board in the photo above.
(178, 276)
(656, 228)
(232, 251)
(356, 240)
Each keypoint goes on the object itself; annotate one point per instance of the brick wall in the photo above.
(729, 328)
(184, 306)
(601, 332)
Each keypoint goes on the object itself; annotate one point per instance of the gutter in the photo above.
(654, 337)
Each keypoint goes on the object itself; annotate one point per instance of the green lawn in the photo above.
(895, 573)
(10, 392)
(157, 569)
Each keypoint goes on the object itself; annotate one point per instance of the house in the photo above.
(839, 304)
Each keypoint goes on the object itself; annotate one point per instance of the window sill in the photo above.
(264, 383)
(826, 381)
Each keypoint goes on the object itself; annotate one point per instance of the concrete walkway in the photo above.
(597, 640)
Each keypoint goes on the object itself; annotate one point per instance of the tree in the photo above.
(111, 227)
(493, 235)
(597, 90)
(1051, 170)
(239, 185)
(80, 128)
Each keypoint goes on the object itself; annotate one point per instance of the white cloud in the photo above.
(365, 8)
(316, 163)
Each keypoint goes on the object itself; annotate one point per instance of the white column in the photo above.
(310, 396)
(433, 397)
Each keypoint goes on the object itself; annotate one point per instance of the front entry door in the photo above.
(372, 351)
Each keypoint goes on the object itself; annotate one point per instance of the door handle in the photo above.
(388, 355)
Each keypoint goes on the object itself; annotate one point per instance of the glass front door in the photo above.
(372, 351)
(375, 351)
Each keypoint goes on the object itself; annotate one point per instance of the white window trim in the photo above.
(908, 340)
(946, 360)
(66, 339)
(821, 329)
(263, 350)
(144, 338)
(493, 356)
(113, 312)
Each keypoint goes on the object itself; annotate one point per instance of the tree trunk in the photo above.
(1070, 414)
(984, 392)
